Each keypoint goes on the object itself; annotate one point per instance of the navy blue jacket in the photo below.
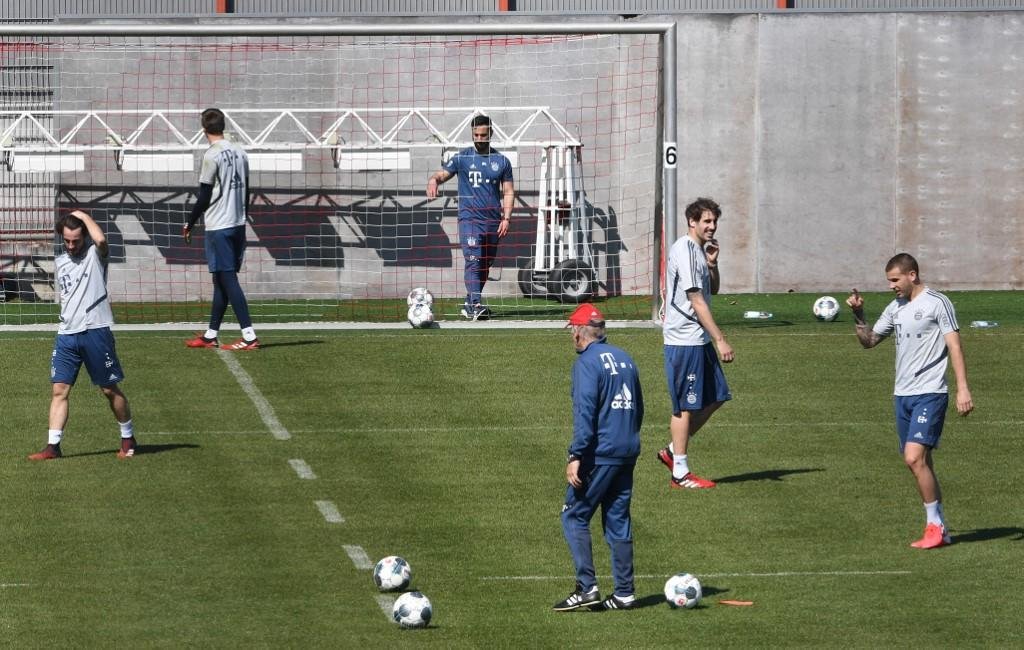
(607, 406)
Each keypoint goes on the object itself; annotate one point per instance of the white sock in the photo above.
(933, 513)
(680, 467)
(210, 334)
(249, 334)
(626, 599)
(127, 430)
(54, 436)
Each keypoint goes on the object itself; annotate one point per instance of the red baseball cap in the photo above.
(586, 314)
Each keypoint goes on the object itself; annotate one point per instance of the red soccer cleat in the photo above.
(127, 449)
(665, 456)
(201, 341)
(242, 344)
(49, 452)
(692, 482)
(934, 537)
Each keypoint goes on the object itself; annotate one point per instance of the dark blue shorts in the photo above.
(695, 377)
(919, 418)
(95, 349)
(225, 249)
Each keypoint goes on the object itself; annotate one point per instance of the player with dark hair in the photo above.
(923, 323)
(222, 201)
(486, 193)
(83, 335)
(608, 411)
(696, 382)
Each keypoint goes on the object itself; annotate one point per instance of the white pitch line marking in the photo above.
(359, 557)
(10, 585)
(778, 574)
(262, 405)
(330, 512)
(302, 469)
(387, 605)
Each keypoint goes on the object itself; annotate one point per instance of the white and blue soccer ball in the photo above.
(826, 308)
(420, 295)
(412, 610)
(420, 315)
(682, 591)
(392, 574)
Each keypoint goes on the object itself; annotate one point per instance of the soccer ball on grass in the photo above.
(826, 308)
(420, 315)
(392, 574)
(683, 591)
(412, 610)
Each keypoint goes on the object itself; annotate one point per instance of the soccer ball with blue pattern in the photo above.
(683, 591)
(420, 315)
(412, 610)
(392, 574)
(419, 295)
(826, 308)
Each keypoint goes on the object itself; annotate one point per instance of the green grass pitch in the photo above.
(447, 447)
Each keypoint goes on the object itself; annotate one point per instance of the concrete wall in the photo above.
(835, 140)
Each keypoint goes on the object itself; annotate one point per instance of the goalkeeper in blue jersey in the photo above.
(923, 324)
(486, 193)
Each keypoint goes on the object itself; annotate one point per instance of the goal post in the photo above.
(343, 125)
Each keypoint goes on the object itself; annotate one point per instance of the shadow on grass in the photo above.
(987, 534)
(159, 449)
(658, 600)
(139, 450)
(283, 344)
(765, 475)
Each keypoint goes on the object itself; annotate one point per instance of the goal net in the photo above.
(342, 132)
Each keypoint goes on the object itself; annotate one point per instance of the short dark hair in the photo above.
(68, 221)
(213, 121)
(480, 120)
(904, 262)
(699, 207)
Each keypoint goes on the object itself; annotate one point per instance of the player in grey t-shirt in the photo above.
(222, 201)
(696, 382)
(83, 336)
(923, 324)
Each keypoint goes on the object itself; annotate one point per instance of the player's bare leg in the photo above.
(59, 406)
(122, 411)
(919, 460)
(58, 418)
(682, 427)
(118, 402)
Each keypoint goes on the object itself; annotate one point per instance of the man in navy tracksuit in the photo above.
(486, 194)
(608, 410)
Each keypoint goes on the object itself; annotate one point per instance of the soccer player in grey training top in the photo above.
(923, 324)
(83, 336)
(696, 382)
(226, 171)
